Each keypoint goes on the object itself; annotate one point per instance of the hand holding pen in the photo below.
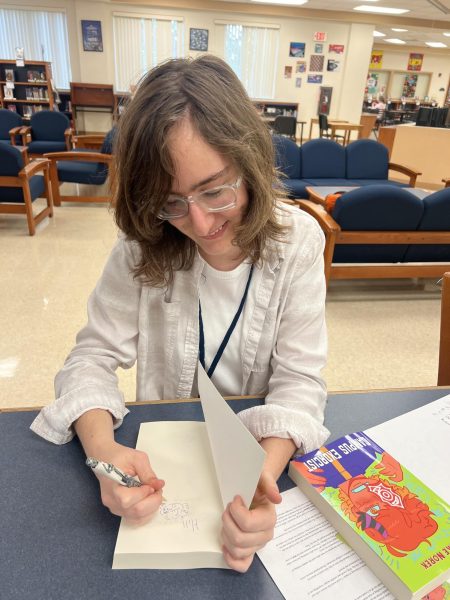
(136, 498)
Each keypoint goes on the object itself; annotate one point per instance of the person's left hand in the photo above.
(247, 530)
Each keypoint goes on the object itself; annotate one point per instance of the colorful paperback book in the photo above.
(397, 524)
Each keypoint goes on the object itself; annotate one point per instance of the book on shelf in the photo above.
(9, 75)
(12, 107)
(203, 467)
(386, 490)
(8, 93)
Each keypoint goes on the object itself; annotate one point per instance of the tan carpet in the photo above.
(381, 335)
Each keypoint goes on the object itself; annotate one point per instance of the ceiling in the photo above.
(426, 20)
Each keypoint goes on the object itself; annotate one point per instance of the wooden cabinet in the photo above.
(26, 89)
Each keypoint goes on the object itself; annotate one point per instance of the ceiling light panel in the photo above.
(436, 44)
(394, 41)
(383, 10)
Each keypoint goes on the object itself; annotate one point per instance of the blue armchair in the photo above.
(20, 185)
(49, 132)
(81, 166)
(10, 126)
(382, 231)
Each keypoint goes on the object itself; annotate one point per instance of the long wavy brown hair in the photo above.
(207, 91)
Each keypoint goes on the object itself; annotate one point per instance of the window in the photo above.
(141, 42)
(251, 50)
(42, 35)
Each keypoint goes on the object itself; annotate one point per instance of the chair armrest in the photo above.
(412, 174)
(80, 156)
(446, 182)
(13, 133)
(325, 220)
(39, 164)
(68, 136)
(24, 132)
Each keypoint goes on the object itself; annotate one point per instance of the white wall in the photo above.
(348, 83)
(435, 61)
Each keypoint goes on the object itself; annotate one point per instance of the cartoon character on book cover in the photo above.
(382, 499)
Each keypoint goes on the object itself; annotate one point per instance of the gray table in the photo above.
(57, 541)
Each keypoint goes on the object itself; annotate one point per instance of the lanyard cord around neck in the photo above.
(201, 344)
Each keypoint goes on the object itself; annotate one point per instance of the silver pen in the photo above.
(111, 472)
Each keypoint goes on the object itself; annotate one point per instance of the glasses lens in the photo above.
(217, 198)
(174, 207)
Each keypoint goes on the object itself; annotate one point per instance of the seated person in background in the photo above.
(196, 203)
(379, 104)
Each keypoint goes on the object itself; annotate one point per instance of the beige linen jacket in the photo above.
(283, 344)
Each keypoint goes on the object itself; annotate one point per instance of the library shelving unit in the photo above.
(26, 89)
(268, 109)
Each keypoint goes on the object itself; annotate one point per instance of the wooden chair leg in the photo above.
(48, 191)
(55, 183)
(28, 208)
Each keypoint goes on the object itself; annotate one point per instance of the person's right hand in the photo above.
(137, 504)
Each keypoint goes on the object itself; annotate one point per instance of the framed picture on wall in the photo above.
(92, 36)
(198, 39)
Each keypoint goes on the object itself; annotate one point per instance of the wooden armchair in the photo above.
(82, 166)
(446, 182)
(444, 343)
(49, 131)
(366, 241)
(20, 185)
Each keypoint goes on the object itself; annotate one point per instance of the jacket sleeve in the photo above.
(295, 403)
(88, 378)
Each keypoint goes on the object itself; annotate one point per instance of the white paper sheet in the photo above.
(191, 456)
(237, 456)
(308, 560)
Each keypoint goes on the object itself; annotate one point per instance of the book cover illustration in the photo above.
(398, 516)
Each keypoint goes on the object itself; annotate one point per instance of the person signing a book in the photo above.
(209, 264)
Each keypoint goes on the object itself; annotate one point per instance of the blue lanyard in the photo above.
(201, 343)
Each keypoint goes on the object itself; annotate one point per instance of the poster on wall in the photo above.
(92, 36)
(333, 65)
(376, 59)
(297, 49)
(415, 62)
(300, 66)
(318, 48)
(409, 86)
(314, 78)
(372, 83)
(298, 82)
(198, 39)
(316, 62)
(287, 72)
(324, 100)
(336, 48)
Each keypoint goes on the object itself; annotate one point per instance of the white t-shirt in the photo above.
(220, 294)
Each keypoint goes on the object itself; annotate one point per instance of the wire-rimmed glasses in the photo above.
(222, 197)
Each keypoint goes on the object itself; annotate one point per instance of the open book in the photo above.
(387, 492)
(204, 466)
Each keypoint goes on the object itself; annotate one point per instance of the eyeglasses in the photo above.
(222, 197)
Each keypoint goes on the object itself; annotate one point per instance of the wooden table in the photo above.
(338, 125)
(58, 540)
(318, 193)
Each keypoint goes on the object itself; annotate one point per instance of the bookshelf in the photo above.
(26, 89)
(269, 109)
